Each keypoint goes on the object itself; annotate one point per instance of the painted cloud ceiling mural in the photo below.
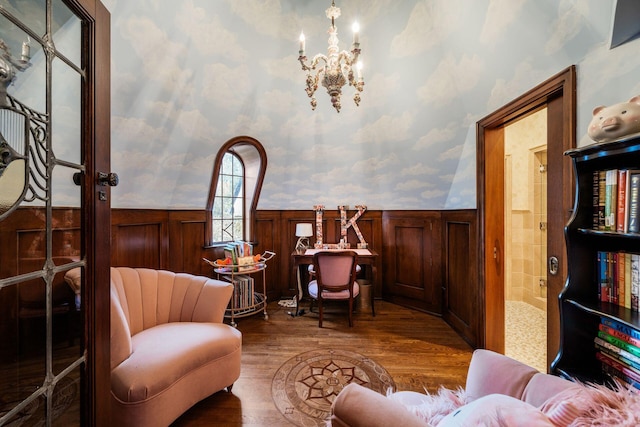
(187, 76)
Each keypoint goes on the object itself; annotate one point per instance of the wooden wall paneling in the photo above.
(186, 242)
(413, 260)
(461, 296)
(285, 228)
(139, 238)
(267, 237)
(370, 225)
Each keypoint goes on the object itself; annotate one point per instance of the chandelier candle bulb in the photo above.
(26, 50)
(302, 43)
(356, 37)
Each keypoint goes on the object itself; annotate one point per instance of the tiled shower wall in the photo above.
(525, 149)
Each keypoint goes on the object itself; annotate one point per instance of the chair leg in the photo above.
(320, 311)
(350, 312)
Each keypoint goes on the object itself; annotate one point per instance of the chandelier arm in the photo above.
(314, 62)
(317, 58)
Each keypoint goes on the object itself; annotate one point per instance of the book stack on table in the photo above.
(618, 349)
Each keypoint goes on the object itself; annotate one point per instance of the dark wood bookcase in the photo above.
(580, 307)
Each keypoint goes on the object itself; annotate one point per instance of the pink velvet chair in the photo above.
(335, 280)
(169, 345)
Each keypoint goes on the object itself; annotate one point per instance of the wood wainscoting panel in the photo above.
(412, 259)
(186, 243)
(139, 238)
(461, 299)
(267, 236)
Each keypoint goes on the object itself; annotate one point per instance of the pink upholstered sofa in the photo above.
(499, 391)
(169, 347)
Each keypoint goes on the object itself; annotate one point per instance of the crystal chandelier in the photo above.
(338, 66)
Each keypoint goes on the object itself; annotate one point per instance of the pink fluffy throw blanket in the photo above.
(603, 406)
(434, 407)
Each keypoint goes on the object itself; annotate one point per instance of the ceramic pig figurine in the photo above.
(615, 122)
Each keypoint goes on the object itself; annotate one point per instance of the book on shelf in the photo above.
(619, 357)
(621, 327)
(621, 203)
(619, 334)
(243, 292)
(635, 282)
(596, 201)
(611, 200)
(603, 284)
(614, 373)
(619, 343)
(604, 345)
(613, 362)
(602, 183)
(627, 280)
(616, 200)
(633, 201)
(618, 278)
(614, 278)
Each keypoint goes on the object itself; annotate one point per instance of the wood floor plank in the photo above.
(418, 350)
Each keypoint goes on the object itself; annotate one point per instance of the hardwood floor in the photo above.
(418, 350)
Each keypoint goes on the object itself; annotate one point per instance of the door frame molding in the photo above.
(488, 135)
(96, 219)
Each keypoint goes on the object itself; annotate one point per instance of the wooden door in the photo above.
(558, 95)
(494, 240)
(54, 122)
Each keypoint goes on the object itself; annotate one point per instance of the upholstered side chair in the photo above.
(335, 280)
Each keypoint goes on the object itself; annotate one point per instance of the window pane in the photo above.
(227, 162)
(66, 29)
(237, 166)
(227, 229)
(217, 208)
(217, 230)
(228, 207)
(227, 185)
(227, 204)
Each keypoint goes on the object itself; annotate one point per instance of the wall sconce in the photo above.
(303, 232)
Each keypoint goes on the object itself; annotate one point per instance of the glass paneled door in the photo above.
(43, 258)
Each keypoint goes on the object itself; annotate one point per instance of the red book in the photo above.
(628, 371)
(614, 278)
(622, 200)
(620, 335)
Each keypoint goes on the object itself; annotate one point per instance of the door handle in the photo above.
(111, 179)
(554, 265)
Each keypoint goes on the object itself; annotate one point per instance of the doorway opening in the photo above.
(558, 96)
(525, 243)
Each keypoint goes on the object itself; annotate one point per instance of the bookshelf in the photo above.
(592, 293)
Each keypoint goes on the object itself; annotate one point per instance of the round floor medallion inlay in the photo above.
(305, 386)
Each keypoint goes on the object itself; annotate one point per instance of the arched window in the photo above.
(236, 182)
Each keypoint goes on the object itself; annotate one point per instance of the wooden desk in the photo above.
(366, 257)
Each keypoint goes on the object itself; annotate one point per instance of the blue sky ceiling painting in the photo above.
(189, 75)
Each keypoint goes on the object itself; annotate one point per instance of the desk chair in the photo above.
(335, 279)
